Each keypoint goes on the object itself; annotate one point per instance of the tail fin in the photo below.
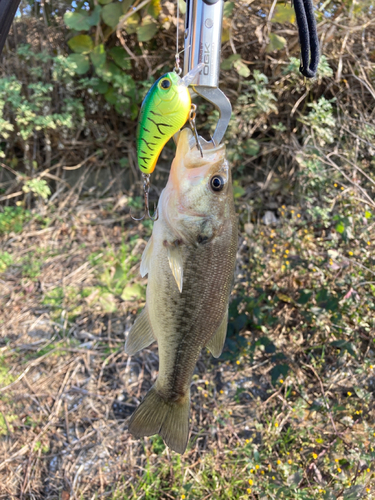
(156, 416)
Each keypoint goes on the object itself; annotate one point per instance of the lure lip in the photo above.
(189, 78)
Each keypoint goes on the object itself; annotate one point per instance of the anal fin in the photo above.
(140, 335)
(216, 343)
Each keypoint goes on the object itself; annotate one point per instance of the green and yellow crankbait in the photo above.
(164, 111)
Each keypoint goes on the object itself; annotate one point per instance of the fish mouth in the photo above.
(207, 146)
(194, 157)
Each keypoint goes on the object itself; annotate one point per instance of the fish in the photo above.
(190, 261)
(164, 110)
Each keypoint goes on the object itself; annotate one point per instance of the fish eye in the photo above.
(165, 83)
(217, 183)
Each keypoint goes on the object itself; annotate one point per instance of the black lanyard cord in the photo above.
(8, 9)
(308, 37)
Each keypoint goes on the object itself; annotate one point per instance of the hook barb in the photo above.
(155, 216)
(138, 220)
(146, 189)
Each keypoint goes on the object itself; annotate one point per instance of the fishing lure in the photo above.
(164, 111)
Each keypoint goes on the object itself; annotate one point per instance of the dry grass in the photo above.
(68, 387)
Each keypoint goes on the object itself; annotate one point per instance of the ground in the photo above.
(286, 412)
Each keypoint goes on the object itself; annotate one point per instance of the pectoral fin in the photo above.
(216, 344)
(176, 264)
(140, 335)
(146, 258)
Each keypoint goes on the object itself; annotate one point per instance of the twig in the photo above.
(79, 165)
(67, 421)
(9, 168)
(298, 103)
(9, 196)
(363, 83)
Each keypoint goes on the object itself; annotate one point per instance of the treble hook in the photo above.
(146, 189)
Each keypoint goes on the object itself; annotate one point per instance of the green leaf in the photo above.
(340, 228)
(37, 186)
(95, 16)
(82, 44)
(228, 63)
(228, 9)
(343, 345)
(126, 4)
(122, 104)
(285, 298)
(361, 393)
(111, 96)
(241, 68)
(304, 297)
(124, 162)
(132, 24)
(99, 85)
(104, 2)
(269, 346)
(134, 112)
(111, 14)
(81, 19)
(147, 30)
(120, 57)
(108, 71)
(251, 147)
(276, 43)
(98, 56)
(294, 479)
(6, 260)
(355, 492)
(238, 190)
(77, 20)
(368, 214)
(133, 292)
(107, 301)
(182, 5)
(279, 371)
(81, 62)
(284, 14)
(154, 8)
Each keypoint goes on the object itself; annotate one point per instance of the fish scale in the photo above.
(209, 297)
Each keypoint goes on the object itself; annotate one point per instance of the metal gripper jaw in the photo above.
(203, 26)
(222, 104)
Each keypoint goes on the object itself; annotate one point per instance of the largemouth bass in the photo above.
(190, 262)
